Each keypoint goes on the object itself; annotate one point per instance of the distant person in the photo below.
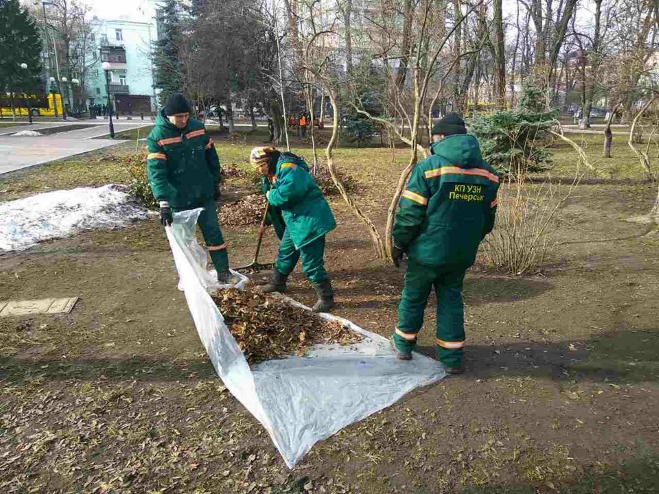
(445, 212)
(301, 217)
(303, 125)
(184, 172)
(271, 130)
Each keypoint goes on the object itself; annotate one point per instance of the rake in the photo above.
(255, 265)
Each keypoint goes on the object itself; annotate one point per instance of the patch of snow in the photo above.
(27, 133)
(25, 222)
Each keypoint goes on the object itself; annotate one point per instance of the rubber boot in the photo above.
(325, 296)
(277, 283)
(227, 278)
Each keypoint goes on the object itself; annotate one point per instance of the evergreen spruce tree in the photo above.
(20, 43)
(166, 60)
(515, 141)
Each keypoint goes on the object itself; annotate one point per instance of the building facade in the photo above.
(126, 47)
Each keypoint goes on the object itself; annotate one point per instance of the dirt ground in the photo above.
(560, 395)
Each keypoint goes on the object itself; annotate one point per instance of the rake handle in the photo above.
(261, 231)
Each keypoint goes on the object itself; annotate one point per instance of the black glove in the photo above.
(166, 217)
(397, 255)
(218, 191)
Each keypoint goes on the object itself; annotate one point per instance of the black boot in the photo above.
(277, 284)
(325, 296)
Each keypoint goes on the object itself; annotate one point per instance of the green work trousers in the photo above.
(313, 262)
(210, 229)
(419, 281)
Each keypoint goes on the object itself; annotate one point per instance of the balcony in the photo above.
(115, 55)
(119, 89)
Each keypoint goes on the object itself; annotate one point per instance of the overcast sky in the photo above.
(135, 10)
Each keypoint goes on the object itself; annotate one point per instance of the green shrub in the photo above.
(515, 141)
(140, 187)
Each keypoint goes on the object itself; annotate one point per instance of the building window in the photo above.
(104, 39)
(98, 90)
(122, 80)
(119, 34)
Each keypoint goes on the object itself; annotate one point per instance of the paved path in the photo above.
(23, 152)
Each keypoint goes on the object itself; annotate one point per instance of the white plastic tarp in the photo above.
(25, 222)
(299, 400)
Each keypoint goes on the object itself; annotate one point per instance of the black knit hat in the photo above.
(449, 124)
(176, 103)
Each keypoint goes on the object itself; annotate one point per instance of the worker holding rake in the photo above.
(301, 216)
(445, 212)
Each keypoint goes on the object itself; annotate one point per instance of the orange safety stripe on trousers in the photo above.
(210, 144)
(195, 133)
(413, 196)
(450, 344)
(406, 336)
(170, 140)
(456, 170)
(156, 156)
(217, 247)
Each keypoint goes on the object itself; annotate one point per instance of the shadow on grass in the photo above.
(625, 356)
(640, 475)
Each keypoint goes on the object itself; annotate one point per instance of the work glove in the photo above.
(218, 191)
(166, 217)
(397, 255)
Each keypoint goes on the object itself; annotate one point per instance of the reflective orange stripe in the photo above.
(195, 133)
(413, 196)
(450, 344)
(156, 156)
(455, 170)
(493, 204)
(170, 140)
(406, 336)
(210, 144)
(217, 247)
(287, 165)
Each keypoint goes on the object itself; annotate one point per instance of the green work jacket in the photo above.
(295, 194)
(182, 164)
(449, 204)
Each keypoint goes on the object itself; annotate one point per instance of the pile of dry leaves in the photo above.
(267, 328)
(244, 212)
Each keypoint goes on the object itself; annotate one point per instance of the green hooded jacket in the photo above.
(449, 204)
(182, 164)
(295, 194)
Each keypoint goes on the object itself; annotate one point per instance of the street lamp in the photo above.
(68, 102)
(106, 68)
(53, 92)
(29, 103)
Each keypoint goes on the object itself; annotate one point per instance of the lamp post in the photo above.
(29, 103)
(53, 92)
(67, 104)
(75, 83)
(106, 68)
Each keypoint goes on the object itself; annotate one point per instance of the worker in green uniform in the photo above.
(301, 217)
(184, 172)
(446, 210)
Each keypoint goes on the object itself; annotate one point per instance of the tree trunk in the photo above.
(608, 140)
(252, 117)
(499, 56)
(347, 13)
(642, 155)
(457, 50)
(230, 116)
(321, 118)
(406, 45)
(378, 245)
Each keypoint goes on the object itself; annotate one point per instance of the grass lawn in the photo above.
(561, 392)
